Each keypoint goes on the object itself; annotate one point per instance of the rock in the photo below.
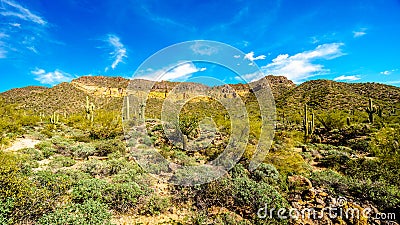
(309, 195)
(298, 182)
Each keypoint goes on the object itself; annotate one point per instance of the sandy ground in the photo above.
(21, 143)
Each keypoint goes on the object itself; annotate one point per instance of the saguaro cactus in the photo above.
(54, 118)
(305, 121)
(127, 108)
(348, 120)
(371, 110)
(308, 125)
(89, 109)
(141, 112)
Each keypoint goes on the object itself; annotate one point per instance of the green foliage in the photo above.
(58, 184)
(119, 196)
(90, 212)
(332, 119)
(32, 153)
(61, 161)
(105, 147)
(46, 148)
(29, 200)
(6, 208)
(156, 205)
(266, 173)
(106, 125)
(83, 150)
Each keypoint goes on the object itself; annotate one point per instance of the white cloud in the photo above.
(203, 48)
(347, 78)
(16, 10)
(250, 56)
(3, 53)
(388, 72)
(183, 71)
(51, 78)
(359, 33)
(301, 65)
(118, 50)
(236, 56)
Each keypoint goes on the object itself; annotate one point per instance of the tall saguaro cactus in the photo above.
(89, 109)
(127, 108)
(308, 125)
(371, 110)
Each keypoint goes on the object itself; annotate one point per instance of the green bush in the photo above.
(90, 212)
(61, 161)
(105, 147)
(6, 208)
(156, 205)
(47, 148)
(266, 173)
(33, 153)
(29, 201)
(57, 184)
(120, 197)
(83, 150)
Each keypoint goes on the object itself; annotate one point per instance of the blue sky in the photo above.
(46, 42)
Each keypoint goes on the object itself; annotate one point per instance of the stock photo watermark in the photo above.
(342, 209)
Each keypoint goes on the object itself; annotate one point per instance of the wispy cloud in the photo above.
(203, 48)
(387, 72)
(51, 78)
(180, 72)
(13, 9)
(118, 52)
(301, 65)
(347, 78)
(250, 56)
(359, 33)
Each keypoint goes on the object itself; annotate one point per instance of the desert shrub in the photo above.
(266, 173)
(120, 197)
(385, 143)
(95, 167)
(239, 171)
(58, 184)
(331, 180)
(287, 162)
(183, 159)
(33, 153)
(334, 159)
(251, 196)
(156, 205)
(29, 201)
(61, 161)
(83, 150)
(6, 208)
(46, 148)
(332, 119)
(106, 125)
(105, 147)
(90, 189)
(89, 212)
(74, 175)
(61, 144)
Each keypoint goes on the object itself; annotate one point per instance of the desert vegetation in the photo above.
(331, 140)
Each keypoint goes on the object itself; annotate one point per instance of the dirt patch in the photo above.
(21, 143)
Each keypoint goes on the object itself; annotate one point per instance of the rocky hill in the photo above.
(108, 92)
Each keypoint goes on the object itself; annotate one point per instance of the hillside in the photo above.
(107, 93)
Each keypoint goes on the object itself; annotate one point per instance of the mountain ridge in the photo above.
(107, 92)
